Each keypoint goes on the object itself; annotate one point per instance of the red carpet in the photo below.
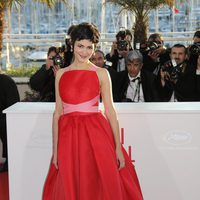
(4, 195)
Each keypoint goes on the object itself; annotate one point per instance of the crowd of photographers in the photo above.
(150, 73)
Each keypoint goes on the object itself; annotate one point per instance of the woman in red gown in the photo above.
(88, 160)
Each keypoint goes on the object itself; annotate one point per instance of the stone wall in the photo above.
(22, 86)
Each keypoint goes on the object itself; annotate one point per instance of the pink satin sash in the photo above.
(87, 106)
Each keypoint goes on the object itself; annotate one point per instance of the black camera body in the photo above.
(122, 45)
(172, 68)
(195, 49)
(151, 46)
(58, 59)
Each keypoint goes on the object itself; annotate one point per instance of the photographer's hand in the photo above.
(164, 76)
(160, 50)
(154, 56)
(49, 62)
(55, 69)
(113, 48)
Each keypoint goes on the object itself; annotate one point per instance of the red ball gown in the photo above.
(88, 168)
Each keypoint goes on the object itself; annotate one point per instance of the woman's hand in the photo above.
(120, 158)
(55, 160)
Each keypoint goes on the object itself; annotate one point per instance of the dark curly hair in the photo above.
(85, 31)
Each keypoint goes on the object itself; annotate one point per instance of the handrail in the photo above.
(105, 37)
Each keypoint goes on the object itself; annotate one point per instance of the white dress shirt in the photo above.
(134, 90)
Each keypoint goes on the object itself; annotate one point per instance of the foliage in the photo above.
(4, 4)
(141, 9)
(140, 5)
(8, 4)
(23, 71)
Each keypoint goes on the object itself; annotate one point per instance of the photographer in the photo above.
(99, 60)
(179, 79)
(43, 80)
(8, 96)
(154, 53)
(120, 49)
(136, 84)
(194, 49)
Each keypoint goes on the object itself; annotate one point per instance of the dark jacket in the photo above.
(43, 81)
(148, 86)
(150, 65)
(8, 96)
(186, 88)
(114, 60)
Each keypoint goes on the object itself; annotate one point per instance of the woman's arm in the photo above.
(56, 115)
(106, 93)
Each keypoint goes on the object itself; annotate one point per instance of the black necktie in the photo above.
(138, 78)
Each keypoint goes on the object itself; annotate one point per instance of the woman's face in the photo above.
(83, 50)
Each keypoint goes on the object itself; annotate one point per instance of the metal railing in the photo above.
(18, 46)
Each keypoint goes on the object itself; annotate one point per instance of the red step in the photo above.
(4, 193)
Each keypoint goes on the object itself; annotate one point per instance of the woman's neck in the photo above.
(79, 65)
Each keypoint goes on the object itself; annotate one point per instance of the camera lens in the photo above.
(122, 45)
(195, 49)
(152, 46)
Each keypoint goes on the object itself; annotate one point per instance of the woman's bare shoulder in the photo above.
(102, 72)
(59, 73)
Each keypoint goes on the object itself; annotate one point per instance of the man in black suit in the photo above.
(8, 96)
(43, 80)
(120, 49)
(136, 84)
(154, 53)
(194, 49)
(179, 79)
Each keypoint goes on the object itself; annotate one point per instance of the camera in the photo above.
(122, 45)
(195, 49)
(58, 59)
(172, 68)
(151, 46)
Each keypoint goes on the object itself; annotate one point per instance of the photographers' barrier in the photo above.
(162, 138)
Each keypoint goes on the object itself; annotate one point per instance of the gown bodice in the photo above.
(79, 90)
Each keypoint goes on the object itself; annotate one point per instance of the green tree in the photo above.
(141, 9)
(8, 4)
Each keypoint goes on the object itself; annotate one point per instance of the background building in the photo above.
(34, 27)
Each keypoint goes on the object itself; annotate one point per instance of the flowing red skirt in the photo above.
(88, 168)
